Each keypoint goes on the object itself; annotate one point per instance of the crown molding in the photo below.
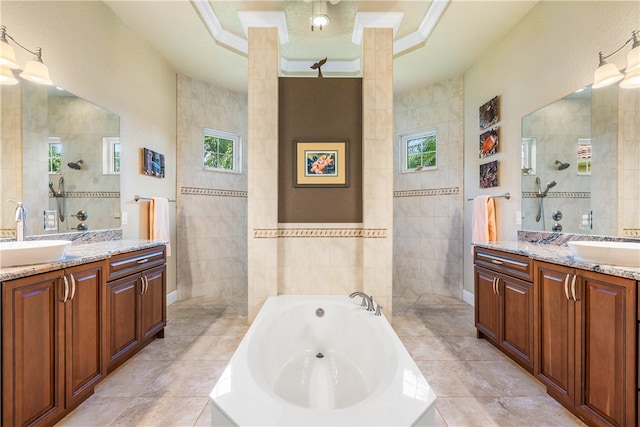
(277, 19)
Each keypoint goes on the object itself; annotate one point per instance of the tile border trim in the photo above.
(314, 233)
(448, 191)
(90, 194)
(197, 191)
(559, 195)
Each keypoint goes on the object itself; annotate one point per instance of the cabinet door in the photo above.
(606, 354)
(486, 304)
(516, 327)
(153, 305)
(122, 319)
(32, 350)
(556, 332)
(84, 367)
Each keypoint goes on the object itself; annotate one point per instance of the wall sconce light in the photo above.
(608, 74)
(34, 70)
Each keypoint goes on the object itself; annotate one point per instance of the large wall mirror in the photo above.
(60, 156)
(581, 164)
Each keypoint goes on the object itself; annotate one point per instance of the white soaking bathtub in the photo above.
(345, 367)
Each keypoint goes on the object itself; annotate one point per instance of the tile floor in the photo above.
(169, 381)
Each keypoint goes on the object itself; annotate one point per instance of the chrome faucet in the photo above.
(366, 300)
(21, 220)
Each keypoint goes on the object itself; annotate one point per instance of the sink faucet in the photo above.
(21, 220)
(365, 298)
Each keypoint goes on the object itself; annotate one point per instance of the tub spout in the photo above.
(365, 299)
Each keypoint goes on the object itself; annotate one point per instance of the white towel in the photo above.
(483, 220)
(159, 221)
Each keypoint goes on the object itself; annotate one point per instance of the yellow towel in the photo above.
(483, 220)
(159, 221)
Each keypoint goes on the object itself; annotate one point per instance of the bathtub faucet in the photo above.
(366, 300)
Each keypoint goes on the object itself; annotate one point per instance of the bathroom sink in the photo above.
(13, 254)
(625, 254)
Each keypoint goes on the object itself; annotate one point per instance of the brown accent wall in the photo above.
(316, 109)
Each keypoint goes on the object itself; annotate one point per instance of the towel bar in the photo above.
(137, 198)
(504, 196)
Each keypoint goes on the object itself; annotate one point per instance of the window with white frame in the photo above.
(221, 151)
(419, 151)
(111, 155)
(55, 154)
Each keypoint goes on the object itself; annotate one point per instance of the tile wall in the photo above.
(10, 155)
(629, 164)
(211, 206)
(428, 204)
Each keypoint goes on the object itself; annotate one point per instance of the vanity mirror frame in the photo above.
(591, 203)
(31, 114)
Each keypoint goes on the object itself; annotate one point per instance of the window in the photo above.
(55, 154)
(221, 151)
(111, 155)
(584, 156)
(419, 151)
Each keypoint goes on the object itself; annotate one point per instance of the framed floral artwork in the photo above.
(320, 163)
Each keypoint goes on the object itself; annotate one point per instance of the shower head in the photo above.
(550, 184)
(561, 165)
(75, 165)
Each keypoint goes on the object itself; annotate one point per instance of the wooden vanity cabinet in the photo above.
(587, 343)
(136, 303)
(51, 343)
(505, 303)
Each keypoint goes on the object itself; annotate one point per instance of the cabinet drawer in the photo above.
(507, 263)
(132, 262)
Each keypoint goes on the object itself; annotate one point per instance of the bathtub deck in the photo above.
(169, 382)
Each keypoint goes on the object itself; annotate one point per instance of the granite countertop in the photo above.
(559, 254)
(79, 254)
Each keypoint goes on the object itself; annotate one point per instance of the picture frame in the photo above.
(152, 163)
(489, 174)
(489, 113)
(321, 163)
(489, 142)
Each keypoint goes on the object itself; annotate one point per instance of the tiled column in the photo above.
(377, 162)
(262, 173)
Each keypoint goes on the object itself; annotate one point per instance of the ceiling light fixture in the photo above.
(319, 16)
(34, 70)
(608, 74)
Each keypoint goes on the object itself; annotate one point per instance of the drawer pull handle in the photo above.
(496, 261)
(573, 288)
(66, 289)
(73, 287)
(142, 261)
(566, 287)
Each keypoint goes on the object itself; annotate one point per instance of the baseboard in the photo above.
(468, 297)
(172, 297)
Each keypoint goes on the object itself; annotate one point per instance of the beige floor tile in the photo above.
(429, 348)
(96, 411)
(211, 347)
(186, 327)
(162, 411)
(228, 325)
(507, 378)
(167, 348)
(472, 348)
(453, 378)
(191, 378)
(132, 378)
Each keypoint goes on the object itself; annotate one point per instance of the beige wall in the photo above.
(91, 53)
(551, 53)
